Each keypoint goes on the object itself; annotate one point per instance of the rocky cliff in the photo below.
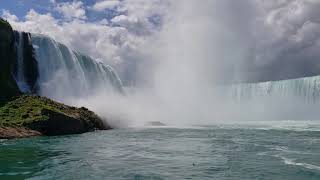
(24, 115)
(8, 86)
(29, 115)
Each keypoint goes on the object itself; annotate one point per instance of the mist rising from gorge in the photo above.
(172, 71)
(202, 46)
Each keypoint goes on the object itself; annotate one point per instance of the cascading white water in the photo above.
(306, 89)
(20, 77)
(293, 99)
(65, 74)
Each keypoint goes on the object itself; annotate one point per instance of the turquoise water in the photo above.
(216, 152)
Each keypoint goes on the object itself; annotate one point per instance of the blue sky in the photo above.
(21, 7)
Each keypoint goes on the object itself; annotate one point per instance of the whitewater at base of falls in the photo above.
(296, 99)
(293, 99)
(307, 89)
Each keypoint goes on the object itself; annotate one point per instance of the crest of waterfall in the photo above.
(306, 89)
(65, 73)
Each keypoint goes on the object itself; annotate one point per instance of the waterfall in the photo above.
(53, 70)
(292, 99)
(65, 73)
(20, 74)
(306, 89)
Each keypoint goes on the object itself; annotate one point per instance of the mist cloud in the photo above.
(176, 52)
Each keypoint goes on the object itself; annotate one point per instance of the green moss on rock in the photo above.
(48, 117)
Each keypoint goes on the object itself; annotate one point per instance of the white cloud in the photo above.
(38, 23)
(105, 4)
(99, 40)
(145, 8)
(104, 21)
(7, 15)
(71, 10)
(138, 26)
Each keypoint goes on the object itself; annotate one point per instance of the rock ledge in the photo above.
(28, 115)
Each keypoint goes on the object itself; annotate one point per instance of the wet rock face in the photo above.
(155, 123)
(8, 86)
(17, 132)
(30, 65)
(8, 62)
(60, 124)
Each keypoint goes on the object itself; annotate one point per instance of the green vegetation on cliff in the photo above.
(48, 117)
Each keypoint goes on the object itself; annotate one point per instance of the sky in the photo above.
(242, 40)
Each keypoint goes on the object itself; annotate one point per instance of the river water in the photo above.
(207, 152)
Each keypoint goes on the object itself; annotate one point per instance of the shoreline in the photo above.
(18, 132)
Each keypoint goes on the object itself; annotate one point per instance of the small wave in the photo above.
(287, 150)
(287, 125)
(305, 165)
(262, 154)
(15, 173)
(280, 148)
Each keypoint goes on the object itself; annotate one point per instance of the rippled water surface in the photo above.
(218, 152)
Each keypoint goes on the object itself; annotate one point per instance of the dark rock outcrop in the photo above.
(17, 132)
(155, 123)
(60, 124)
(46, 117)
(8, 62)
(8, 86)
(30, 65)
